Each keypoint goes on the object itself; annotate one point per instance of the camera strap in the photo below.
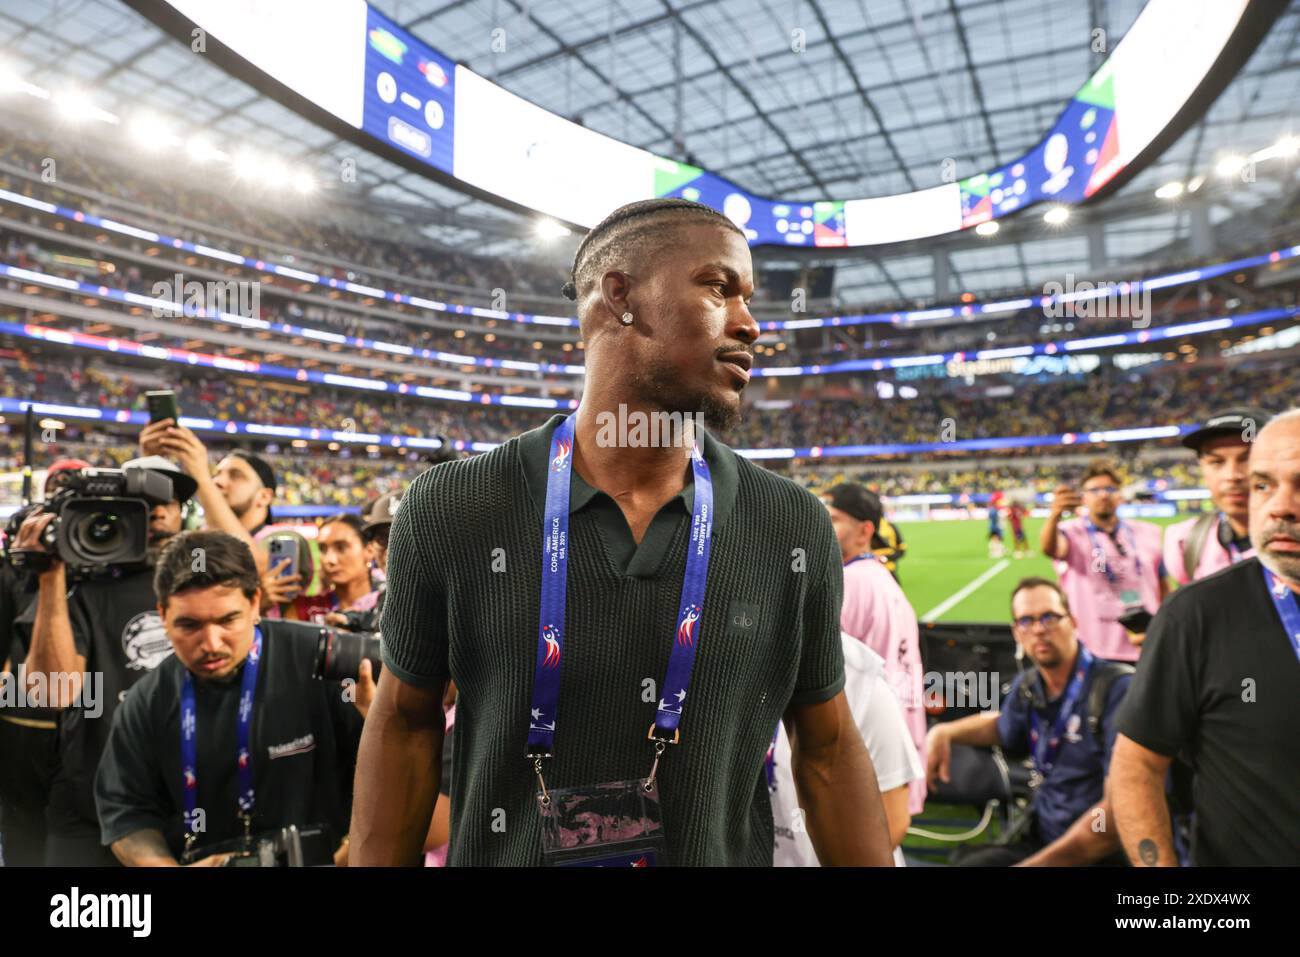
(189, 743)
(1097, 549)
(551, 627)
(1287, 607)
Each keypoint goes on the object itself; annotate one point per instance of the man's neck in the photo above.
(1238, 525)
(634, 475)
(1056, 677)
(1107, 524)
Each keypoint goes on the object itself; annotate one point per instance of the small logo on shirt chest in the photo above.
(742, 618)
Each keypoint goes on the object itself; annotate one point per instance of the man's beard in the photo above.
(1283, 565)
(660, 384)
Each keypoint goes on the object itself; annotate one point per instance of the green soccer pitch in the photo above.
(947, 574)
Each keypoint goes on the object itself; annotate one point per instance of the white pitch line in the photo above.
(957, 596)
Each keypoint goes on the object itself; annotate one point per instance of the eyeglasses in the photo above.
(1048, 619)
(1104, 490)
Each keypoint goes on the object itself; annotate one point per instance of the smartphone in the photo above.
(1136, 620)
(278, 549)
(162, 405)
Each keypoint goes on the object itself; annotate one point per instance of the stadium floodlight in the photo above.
(549, 229)
(200, 149)
(304, 184)
(1195, 183)
(150, 132)
(275, 173)
(1170, 190)
(987, 228)
(1230, 165)
(1288, 145)
(76, 106)
(246, 165)
(1056, 215)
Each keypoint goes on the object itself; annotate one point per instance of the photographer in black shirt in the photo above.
(189, 766)
(90, 642)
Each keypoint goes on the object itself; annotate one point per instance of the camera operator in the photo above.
(28, 739)
(106, 631)
(160, 792)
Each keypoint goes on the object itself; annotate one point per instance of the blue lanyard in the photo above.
(864, 557)
(189, 739)
(769, 763)
(1046, 749)
(1287, 608)
(1097, 549)
(1234, 553)
(555, 562)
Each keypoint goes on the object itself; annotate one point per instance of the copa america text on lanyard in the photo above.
(666, 727)
(189, 743)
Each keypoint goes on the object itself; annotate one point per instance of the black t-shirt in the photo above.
(1218, 682)
(304, 738)
(17, 596)
(115, 625)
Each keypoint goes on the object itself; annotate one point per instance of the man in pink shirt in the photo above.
(1110, 569)
(876, 612)
(1217, 539)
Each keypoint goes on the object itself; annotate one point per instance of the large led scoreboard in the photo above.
(347, 59)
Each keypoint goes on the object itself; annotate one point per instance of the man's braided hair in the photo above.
(604, 233)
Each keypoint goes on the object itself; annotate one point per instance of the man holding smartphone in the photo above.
(1112, 570)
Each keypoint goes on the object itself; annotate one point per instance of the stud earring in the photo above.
(627, 319)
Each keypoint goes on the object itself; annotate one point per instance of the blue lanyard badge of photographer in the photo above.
(1046, 749)
(619, 823)
(1128, 596)
(189, 745)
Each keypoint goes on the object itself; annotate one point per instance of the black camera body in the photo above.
(101, 524)
(292, 846)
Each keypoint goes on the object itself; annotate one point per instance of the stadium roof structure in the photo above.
(875, 100)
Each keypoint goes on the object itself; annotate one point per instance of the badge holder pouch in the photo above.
(619, 824)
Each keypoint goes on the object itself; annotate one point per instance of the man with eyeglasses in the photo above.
(1112, 570)
(1061, 714)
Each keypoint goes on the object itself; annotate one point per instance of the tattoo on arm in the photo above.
(1148, 851)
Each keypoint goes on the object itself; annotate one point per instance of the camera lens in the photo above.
(99, 533)
(339, 654)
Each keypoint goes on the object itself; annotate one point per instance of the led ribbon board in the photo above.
(367, 74)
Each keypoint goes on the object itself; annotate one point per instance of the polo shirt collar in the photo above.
(535, 455)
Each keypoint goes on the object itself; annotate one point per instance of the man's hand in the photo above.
(365, 688)
(212, 860)
(278, 589)
(341, 855)
(938, 755)
(182, 445)
(30, 532)
(1065, 498)
(151, 436)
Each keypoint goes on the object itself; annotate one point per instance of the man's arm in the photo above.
(398, 770)
(54, 650)
(148, 848)
(192, 455)
(1050, 539)
(976, 730)
(897, 817)
(1137, 793)
(836, 785)
(1090, 838)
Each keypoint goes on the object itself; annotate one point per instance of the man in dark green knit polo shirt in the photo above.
(662, 289)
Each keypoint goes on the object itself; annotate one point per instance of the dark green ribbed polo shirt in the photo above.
(464, 587)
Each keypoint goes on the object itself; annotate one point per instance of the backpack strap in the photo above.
(1194, 546)
(1104, 675)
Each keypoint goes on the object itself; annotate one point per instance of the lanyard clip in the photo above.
(537, 769)
(661, 745)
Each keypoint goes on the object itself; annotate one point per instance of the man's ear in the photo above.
(265, 497)
(869, 530)
(615, 289)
